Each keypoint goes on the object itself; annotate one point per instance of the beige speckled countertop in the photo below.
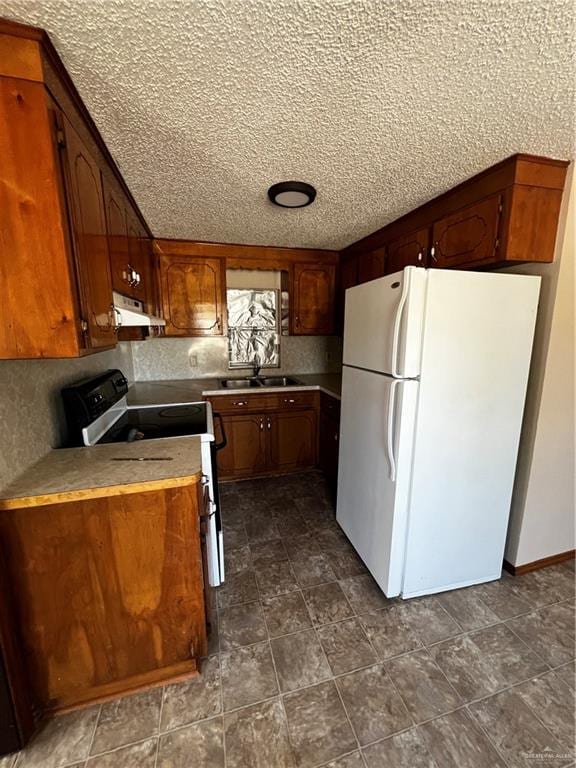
(187, 390)
(72, 474)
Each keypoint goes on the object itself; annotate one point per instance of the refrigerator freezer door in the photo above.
(383, 324)
(477, 346)
(376, 435)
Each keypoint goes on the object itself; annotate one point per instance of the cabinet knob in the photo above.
(433, 252)
(240, 402)
(289, 400)
(269, 424)
(261, 425)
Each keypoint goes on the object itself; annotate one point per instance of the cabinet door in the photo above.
(291, 440)
(193, 295)
(349, 273)
(407, 251)
(313, 299)
(245, 453)
(117, 240)
(138, 256)
(84, 188)
(468, 237)
(371, 265)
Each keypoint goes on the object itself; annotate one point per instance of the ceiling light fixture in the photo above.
(292, 194)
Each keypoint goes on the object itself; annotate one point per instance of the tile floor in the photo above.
(313, 666)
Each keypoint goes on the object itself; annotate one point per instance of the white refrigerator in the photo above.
(435, 372)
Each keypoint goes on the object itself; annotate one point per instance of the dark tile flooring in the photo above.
(313, 666)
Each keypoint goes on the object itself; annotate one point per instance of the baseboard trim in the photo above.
(518, 570)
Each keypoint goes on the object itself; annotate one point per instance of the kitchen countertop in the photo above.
(188, 390)
(72, 474)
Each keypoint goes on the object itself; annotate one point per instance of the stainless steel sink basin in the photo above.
(252, 382)
(246, 383)
(279, 381)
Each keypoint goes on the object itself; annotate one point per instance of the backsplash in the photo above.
(31, 412)
(157, 359)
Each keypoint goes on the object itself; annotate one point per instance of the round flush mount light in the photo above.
(292, 194)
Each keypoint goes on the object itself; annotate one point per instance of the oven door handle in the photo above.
(224, 442)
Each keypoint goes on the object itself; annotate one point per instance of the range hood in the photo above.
(130, 313)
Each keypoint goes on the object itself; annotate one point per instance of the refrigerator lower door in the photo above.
(376, 436)
(383, 323)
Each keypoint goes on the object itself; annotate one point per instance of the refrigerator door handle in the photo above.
(397, 323)
(390, 430)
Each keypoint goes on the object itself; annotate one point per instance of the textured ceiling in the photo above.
(381, 104)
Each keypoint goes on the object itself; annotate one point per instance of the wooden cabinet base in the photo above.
(154, 679)
(108, 593)
(267, 434)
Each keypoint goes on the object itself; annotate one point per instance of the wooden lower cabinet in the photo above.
(263, 443)
(291, 440)
(108, 593)
(267, 433)
(245, 452)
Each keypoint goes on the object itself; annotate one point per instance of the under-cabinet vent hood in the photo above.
(130, 312)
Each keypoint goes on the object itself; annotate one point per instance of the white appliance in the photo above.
(130, 313)
(435, 372)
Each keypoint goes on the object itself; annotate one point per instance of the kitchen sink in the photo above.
(251, 382)
(246, 383)
(279, 381)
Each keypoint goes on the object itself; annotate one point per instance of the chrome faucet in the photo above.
(256, 367)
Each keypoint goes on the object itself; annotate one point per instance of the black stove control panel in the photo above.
(87, 399)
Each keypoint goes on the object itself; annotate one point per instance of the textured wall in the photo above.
(31, 417)
(157, 359)
(381, 104)
(542, 518)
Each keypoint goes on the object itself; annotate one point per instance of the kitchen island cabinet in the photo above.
(106, 577)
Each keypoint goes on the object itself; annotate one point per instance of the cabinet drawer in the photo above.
(277, 401)
(288, 400)
(329, 406)
(243, 403)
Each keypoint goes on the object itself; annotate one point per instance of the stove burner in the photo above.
(179, 411)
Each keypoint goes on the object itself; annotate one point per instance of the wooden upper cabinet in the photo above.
(371, 265)
(193, 295)
(468, 237)
(408, 251)
(507, 214)
(84, 187)
(349, 273)
(312, 300)
(117, 239)
(139, 257)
